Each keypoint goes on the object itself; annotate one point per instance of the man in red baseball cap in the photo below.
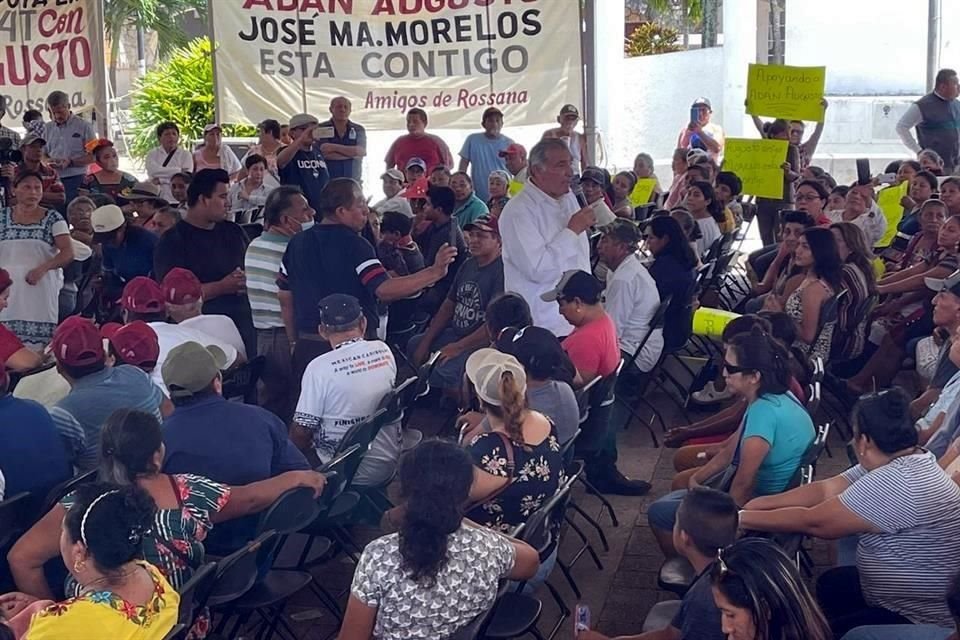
(515, 158)
(96, 390)
(183, 295)
(143, 299)
(134, 344)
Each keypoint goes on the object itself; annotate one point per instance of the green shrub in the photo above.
(180, 90)
(651, 38)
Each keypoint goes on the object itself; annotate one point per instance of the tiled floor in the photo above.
(619, 595)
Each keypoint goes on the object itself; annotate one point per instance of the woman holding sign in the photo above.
(797, 128)
(768, 208)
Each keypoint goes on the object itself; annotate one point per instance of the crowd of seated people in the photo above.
(128, 321)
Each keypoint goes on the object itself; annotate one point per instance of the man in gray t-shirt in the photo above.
(457, 329)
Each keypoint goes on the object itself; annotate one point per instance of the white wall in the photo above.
(870, 47)
(652, 103)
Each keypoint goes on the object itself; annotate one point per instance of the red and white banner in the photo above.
(453, 58)
(50, 45)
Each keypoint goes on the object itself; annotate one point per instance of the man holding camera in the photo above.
(31, 160)
(300, 164)
(6, 133)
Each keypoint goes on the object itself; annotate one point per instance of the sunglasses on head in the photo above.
(731, 369)
(724, 569)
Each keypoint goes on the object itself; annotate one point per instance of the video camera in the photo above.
(8, 153)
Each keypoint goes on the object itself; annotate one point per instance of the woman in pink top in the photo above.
(593, 346)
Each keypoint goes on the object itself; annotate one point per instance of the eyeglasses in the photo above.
(731, 369)
(801, 197)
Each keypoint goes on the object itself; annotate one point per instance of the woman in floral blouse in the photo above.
(518, 461)
(120, 597)
(131, 454)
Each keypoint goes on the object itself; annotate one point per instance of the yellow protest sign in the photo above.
(514, 188)
(889, 202)
(758, 163)
(781, 91)
(642, 191)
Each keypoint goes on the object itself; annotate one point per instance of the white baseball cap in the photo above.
(485, 369)
(107, 218)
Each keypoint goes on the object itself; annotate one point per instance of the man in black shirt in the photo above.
(332, 257)
(300, 164)
(213, 248)
(443, 230)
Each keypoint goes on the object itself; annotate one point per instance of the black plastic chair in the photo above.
(267, 597)
(517, 613)
(596, 401)
(14, 519)
(676, 575)
(829, 311)
(236, 574)
(586, 547)
(65, 488)
(334, 505)
(252, 229)
(642, 380)
(194, 594)
(241, 383)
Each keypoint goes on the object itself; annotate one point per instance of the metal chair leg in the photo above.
(604, 503)
(593, 523)
(565, 570)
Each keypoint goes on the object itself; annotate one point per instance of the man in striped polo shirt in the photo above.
(285, 213)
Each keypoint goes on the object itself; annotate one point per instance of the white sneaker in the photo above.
(710, 395)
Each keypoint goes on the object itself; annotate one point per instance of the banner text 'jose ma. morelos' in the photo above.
(451, 57)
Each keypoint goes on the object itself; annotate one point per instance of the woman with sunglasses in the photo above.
(761, 595)
(903, 507)
(763, 454)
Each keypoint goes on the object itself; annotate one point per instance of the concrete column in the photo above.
(740, 36)
(603, 55)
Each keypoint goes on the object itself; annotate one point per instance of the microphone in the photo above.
(578, 193)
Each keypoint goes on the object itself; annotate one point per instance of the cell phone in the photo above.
(887, 178)
(863, 171)
(694, 115)
(581, 621)
(322, 133)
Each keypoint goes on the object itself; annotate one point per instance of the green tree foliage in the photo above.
(179, 90)
(160, 16)
(651, 38)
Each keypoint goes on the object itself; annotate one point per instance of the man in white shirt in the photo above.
(183, 295)
(544, 233)
(143, 300)
(392, 186)
(344, 387)
(631, 297)
(936, 117)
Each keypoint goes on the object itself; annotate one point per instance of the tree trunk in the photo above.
(709, 8)
(777, 19)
